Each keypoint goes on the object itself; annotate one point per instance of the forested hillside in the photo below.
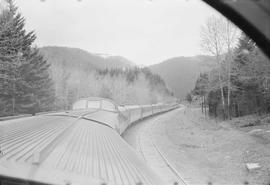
(180, 73)
(78, 74)
(76, 58)
(129, 86)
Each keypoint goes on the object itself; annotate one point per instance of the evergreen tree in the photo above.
(29, 87)
(251, 70)
(189, 98)
(5, 85)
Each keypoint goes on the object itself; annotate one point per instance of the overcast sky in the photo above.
(144, 31)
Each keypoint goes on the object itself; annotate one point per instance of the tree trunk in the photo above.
(221, 87)
(202, 103)
(229, 82)
(238, 113)
(229, 90)
(205, 111)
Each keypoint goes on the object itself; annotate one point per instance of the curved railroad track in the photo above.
(145, 142)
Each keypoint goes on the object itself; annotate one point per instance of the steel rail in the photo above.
(173, 169)
(169, 164)
(160, 153)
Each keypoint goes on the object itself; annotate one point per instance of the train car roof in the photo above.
(68, 150)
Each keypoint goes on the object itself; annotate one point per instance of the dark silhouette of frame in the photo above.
(252, 16)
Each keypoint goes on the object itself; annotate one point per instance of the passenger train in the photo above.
(80, 146)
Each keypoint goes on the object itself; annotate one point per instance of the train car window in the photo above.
(93, 104)
(81, 104)
(106, 105)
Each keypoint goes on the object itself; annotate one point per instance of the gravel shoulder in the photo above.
(203, 150)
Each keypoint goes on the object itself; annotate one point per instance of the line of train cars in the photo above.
(82, 146)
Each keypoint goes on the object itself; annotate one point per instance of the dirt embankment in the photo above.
(218, 150)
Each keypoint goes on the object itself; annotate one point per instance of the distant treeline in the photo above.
(245, 83)
(125, 86)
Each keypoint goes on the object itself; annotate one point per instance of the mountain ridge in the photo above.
(180, 73)
(76, 57)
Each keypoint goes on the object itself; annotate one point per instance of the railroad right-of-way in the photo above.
(149, 138)
(185, 147)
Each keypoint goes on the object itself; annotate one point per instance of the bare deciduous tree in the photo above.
(230, 36)
(213, 43)
(218, 36)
